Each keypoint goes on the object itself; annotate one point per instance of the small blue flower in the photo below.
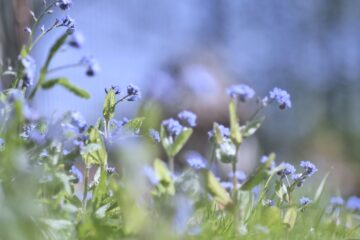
(195, 160)
(287, 169)
(241, 92)
(225, 132)
(353, 203)
(64, 4)
(188, 117)
(240, 176)
(304, 201)
(172, 126)
(92, 67)
(309, 167)
(77, 173)
(76, 40)
(282, 97)
(337, 201)
(133, 92)
(154, 135)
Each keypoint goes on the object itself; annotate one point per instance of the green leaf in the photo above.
(101, 189)
(320, 189)
(251, 127)
(235, 133)
(59, 42)
(282, 191)
(109, 105)
(23, 52)
(53, 50)
(180, 141)
(217, 132)
(212, 185)
(290, 217)
(226, 152)
(135, 124)
(95, 152)
(163, 174)
(58, 224)
(173, 146)
(66, 84)
(259, 174)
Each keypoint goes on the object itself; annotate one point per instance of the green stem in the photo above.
(171, 164)
(64, 67)
(86, 180)
(212, 156)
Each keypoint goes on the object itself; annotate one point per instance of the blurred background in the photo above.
(183, 55)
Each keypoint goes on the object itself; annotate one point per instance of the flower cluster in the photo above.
(281, 96)
(353, 203)
(189, 118)
(195, 160)
(172, 126)
(241, 92)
